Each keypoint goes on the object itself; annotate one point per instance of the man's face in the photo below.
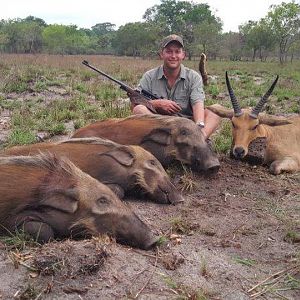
(172, 55)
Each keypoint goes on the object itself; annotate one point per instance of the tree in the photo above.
(207, 35)
(104, 33)
(183, 17)
(258, 37)
(135, 39)
(22, 35)
(231, 46)
(61, 39)
(31, 37)
(284, 21)
(38, 21)
(103, 28)
(170, 14)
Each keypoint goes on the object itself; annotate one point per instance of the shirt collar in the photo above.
(182, 75)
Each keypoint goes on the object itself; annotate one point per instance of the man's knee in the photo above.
(140, 109)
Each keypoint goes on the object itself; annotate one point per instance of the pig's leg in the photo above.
(41, 232)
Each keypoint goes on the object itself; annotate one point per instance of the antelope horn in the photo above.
(257, 109)
(236, 107)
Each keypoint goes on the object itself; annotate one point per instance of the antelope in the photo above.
(282, 134)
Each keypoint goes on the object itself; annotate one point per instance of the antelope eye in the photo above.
(255, 127)
(233, 125)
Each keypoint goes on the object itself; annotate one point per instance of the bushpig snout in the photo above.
(132, 231)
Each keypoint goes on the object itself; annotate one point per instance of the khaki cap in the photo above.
(171, 38)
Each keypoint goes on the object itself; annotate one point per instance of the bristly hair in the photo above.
(91, 141)
(164, 119)
(47, 160)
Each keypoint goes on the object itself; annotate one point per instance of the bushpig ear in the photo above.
(221, 111)
(159, 135)
(122, 155)
(62, 199)
(273, 120)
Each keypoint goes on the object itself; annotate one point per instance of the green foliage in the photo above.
(40, 86)
(222, 140)
(184, 292)
(196, 22)
(18, 240)
(258, 37)
(107, 92)
(133, 38)
(162, 240)
(16, 85)
(213, 91)
(57, 129)
(284, 21)
(20, 137)
(21, 35)
(294, 108)
(245, 261)
(81, 88)
(65, 39)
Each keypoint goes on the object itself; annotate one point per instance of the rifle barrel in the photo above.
(122, 84)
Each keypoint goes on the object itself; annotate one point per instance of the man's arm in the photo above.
(199, 116)
(165, 106)
(198, 111)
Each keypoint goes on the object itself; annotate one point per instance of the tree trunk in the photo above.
(254, 54)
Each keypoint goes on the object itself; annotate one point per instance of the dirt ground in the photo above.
(236, 236)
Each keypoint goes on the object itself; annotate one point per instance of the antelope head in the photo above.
(247, 123)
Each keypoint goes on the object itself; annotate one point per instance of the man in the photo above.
(179, 89)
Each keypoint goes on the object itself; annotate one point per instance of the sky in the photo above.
(87, 13)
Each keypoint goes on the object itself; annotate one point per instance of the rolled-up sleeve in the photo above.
(197, 93)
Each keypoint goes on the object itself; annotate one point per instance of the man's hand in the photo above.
(165, 106)
(136, 98)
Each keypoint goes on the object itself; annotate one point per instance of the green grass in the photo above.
(185, 292)
(245, 261)
(108, 92)
(18, 240)
(223, 139)
(180, 225)
(90, 97)
(20, 137)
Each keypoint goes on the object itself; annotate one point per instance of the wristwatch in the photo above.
(201, 124)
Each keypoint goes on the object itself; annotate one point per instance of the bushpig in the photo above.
(168, 138)
(120, 167)
(49, 197)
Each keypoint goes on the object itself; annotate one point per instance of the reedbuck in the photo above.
(282, 134)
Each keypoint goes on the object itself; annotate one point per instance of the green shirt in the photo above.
(187, 90)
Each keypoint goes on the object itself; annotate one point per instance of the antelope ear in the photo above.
(273, 120)
(65, 200)
(122, 155)
(160, 136)
(221, 111)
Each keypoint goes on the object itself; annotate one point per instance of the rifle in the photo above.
(136, 97)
